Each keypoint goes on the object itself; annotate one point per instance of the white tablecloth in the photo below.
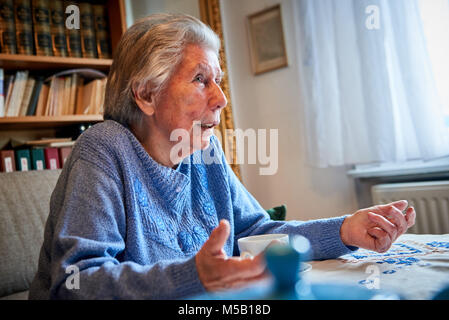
(415, 267)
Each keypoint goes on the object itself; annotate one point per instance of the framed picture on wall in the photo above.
(266, 40)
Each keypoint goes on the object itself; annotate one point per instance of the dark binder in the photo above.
(7, 161)
(23, 160)
(41, 23)
(7, 27)
(37, 159)
(51, 158)
(24, 26)
(64, 153)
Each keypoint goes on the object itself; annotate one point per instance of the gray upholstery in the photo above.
(24, 207)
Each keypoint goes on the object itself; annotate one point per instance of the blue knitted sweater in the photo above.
(132, 226)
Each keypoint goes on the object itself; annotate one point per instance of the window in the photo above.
(435, 17)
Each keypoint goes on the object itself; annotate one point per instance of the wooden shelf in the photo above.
(31, 122)
(31, 62)
(32, 127)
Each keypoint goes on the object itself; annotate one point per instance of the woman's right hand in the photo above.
(217, 271)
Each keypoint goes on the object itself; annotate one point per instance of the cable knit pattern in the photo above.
(132, 226)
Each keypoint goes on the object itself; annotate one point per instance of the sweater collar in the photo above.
(170, 183)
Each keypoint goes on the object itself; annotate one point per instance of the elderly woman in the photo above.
(130, 218)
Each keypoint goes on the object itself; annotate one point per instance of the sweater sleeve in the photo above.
(251, 219)
(89, 229)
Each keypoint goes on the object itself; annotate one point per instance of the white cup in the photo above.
(253, 245)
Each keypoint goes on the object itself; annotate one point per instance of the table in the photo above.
(416, 267)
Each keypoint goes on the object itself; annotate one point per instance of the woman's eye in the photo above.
(200, 78)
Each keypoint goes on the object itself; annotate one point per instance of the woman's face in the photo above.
(191, 102)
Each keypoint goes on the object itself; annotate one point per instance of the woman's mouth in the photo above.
(209, 125)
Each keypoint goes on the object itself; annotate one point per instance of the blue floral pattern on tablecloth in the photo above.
(415, 267)
(401, 255)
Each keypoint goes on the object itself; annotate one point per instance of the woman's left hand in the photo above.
(376, 228)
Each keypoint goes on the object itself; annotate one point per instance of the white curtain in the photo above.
(367, 85)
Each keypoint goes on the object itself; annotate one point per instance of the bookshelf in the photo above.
(30, 62)
(39, 122)
(34, 126)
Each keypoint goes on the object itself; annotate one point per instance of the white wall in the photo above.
(271, 101)
(136, 9)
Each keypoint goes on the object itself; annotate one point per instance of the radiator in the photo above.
(430, 199)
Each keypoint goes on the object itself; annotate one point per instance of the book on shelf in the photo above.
(52, 99)
(47, 141)
(91, 97)
(73, 43)
(57, 28)
(16, 94)
(73, 37)
(76, 83)
(71, 92)
(24, 26)
(9, 80)
(102, 38)
(7, 161)
(41, 25)
(65, 94)
(23, 159)
(42, 99)
(44, 142)
(26, 96)
(51, 156)
(32, 105)
(2, 94)
(88, 42)
(7, 27)
(37, 159)
(64, 153)
(62, 144)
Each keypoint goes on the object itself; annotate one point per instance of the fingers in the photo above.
(398, 219)
(384, 224)
(218, 238)
(401, 205)
(238, 268)
(382, 241)
(235, 272)
(238, 283)
(394, 213)
(217, 271)
(410, 216)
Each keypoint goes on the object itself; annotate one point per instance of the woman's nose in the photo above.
(218, 101)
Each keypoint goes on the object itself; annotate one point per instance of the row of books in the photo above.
(66, 93)
(54, 28)
(33, 158)
(45, 153)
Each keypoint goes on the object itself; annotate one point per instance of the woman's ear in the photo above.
(144, 100)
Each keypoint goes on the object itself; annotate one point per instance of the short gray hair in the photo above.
(146, 56)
